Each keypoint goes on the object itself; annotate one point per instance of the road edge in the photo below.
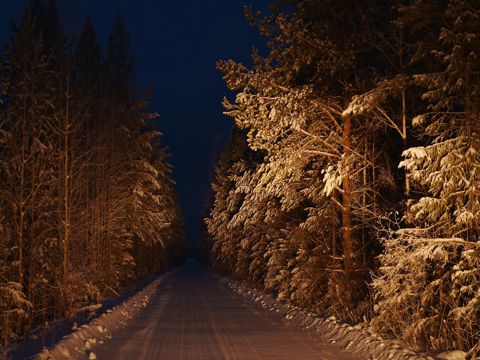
(81, 342)
(360, 340)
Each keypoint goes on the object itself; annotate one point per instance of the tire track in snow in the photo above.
(192, 316)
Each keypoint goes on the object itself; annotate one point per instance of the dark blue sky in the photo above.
(176, 45)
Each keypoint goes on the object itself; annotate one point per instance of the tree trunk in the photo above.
(66, 194)
(404, 114)
(364, 205)
(346, 202)
(21, 205)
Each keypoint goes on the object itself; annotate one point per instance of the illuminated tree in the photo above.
(427, 291)
(87, 204)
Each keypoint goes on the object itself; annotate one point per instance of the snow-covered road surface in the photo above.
(192, 316)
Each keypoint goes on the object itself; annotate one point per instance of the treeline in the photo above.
(351, 182)
(87, 204)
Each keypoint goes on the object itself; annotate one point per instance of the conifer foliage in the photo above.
(87, 204)
(352, 175)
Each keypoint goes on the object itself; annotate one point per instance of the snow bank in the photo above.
(359, 339)
(81, 342)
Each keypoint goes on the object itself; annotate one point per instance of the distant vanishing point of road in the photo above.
(194, 317)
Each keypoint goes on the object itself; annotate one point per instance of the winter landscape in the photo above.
(327, 208)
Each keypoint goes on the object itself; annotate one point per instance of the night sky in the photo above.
(176, 46)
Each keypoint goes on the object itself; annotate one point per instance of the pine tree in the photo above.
(87, 204)
(435, 292)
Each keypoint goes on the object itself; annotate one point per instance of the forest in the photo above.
(87, 202)
(350, 185)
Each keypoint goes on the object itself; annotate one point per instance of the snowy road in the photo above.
(194, 317)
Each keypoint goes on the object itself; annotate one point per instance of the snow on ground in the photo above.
(359, 339)
(193, 316)
(81, 343)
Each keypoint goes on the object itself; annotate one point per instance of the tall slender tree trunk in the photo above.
(404, 138)
(346, 203)
(66, 183)
(334, 240)
(364, 205)
(404, 112)
(103, 208)
(108, 234)
(21, 205)
(374, 180)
